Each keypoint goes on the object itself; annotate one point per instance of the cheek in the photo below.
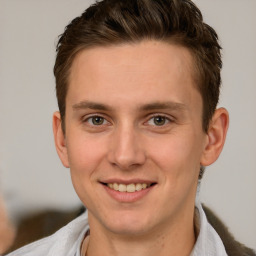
(85, 158)
(85, 154)
(179, 161)
(177, 154)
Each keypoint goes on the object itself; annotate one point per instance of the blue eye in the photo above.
(158, 120)
(96, 120)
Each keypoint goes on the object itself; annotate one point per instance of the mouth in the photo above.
(128, 191)
(130, 188)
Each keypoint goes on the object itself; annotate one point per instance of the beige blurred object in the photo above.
(7, 230)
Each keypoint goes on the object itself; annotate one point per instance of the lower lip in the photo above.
(127, 197)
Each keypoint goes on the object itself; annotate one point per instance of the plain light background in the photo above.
(31, 175)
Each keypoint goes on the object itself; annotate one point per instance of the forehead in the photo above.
(159, 54)
(145, 70)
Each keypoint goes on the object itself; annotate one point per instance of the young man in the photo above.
(137, 84)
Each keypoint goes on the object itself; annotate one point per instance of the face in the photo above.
(134, 140)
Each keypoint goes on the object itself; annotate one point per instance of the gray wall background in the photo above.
(31, 175)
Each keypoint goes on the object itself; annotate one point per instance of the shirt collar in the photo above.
(208, 241)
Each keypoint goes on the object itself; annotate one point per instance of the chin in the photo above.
(128, 229)
(128, 224)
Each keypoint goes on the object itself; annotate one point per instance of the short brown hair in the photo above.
(111, 22)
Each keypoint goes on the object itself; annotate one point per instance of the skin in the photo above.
(127, 86)
(7, 231)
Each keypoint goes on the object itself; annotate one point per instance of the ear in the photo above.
(59, 138)
(216, 136)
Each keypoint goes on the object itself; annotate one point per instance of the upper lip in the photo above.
(126, 182)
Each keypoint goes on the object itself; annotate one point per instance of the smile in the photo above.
(128, 191)
(129, 187)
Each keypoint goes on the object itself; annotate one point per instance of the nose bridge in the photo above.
(126, 148)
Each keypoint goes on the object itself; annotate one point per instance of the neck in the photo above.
(169, 239)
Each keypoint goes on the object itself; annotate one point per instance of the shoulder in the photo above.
(232, 246)
(39, 247)
(62, 243)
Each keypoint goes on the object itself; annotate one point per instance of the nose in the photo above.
(126, 150)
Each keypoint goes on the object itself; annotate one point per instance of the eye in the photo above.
(158, 120)
(96, 120)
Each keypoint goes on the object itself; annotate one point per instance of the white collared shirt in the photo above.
(208, 242)
(67, 241)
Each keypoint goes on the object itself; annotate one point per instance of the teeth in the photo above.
(122, 188)
(115, 186)
(128, 188)
(138, 187)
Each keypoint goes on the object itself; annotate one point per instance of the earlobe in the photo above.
(59, 138)
(216, 136)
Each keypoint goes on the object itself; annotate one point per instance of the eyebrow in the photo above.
(164, 105)
(147, 107)
(91, 105)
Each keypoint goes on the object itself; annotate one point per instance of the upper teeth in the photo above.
(128, 188)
